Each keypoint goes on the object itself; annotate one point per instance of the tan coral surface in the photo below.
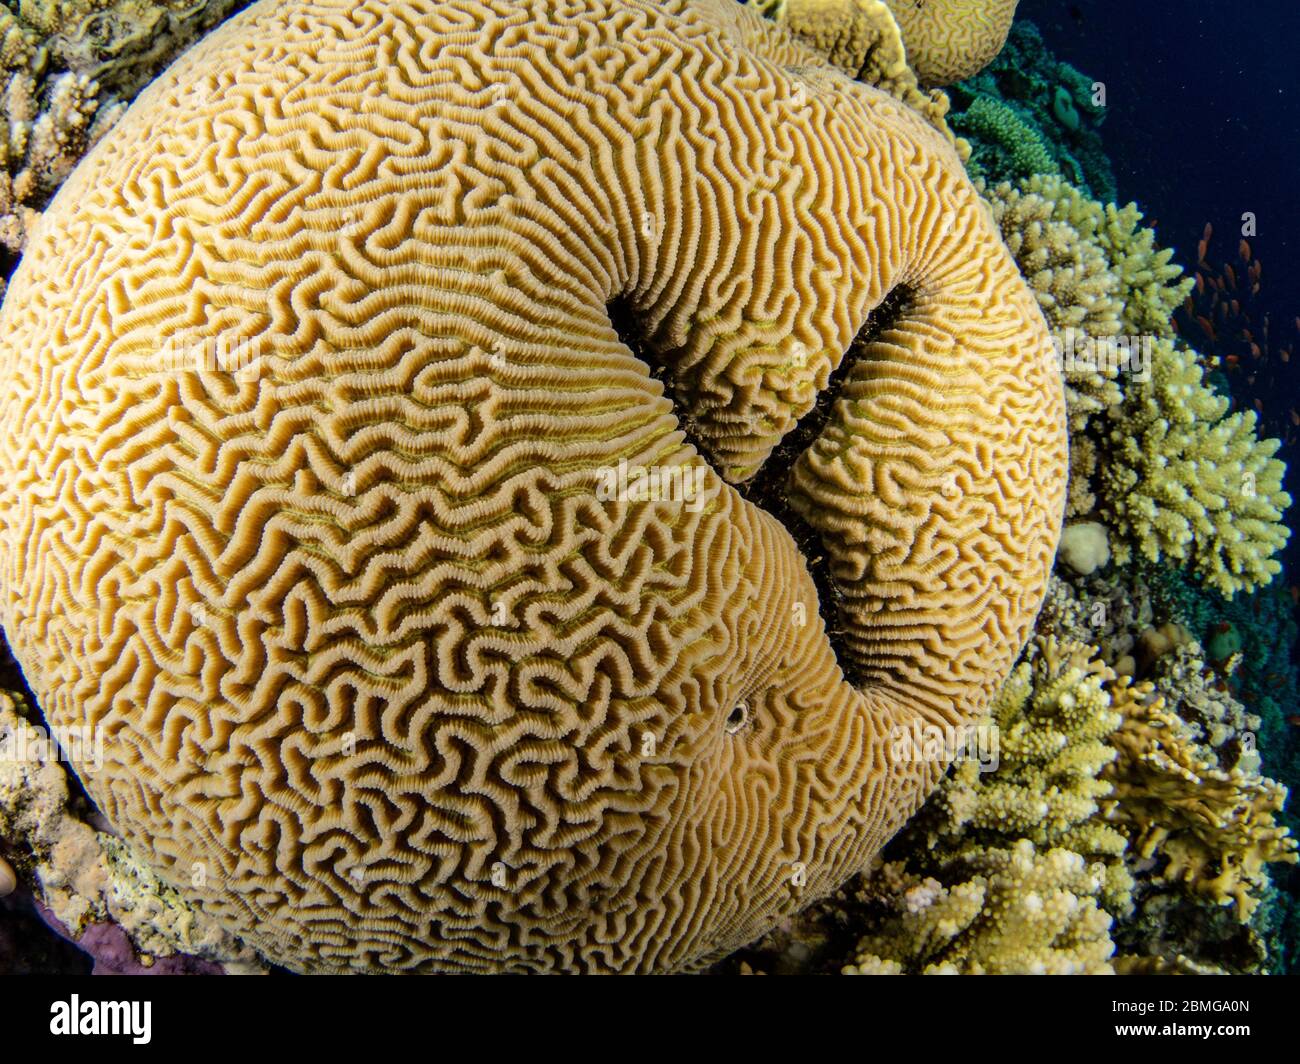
(308, 396)
(948, 40)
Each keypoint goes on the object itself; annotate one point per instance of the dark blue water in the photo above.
(1204, 126)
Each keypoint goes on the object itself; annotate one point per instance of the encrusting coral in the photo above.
(82, 876)
(300, 489)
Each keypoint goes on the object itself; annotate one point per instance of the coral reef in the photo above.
(1188, 482)
(1180, 478)
(1132, 804)
(1098, 801)
(1029, 114)
(1011, 867)
(68, 70)
(89, 888)
(384, 679)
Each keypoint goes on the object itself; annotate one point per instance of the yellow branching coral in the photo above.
(1181, 479)
(1015, 911)
(1011, 866)
(1075, 286)
(1051, 721)
(948, 40)
(1069, 272)
(1216, 828)
(1150, 284)
(305, 485)
(1189, 482)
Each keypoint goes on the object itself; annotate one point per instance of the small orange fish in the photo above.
(1205, 325)
(1254, 289)
(1259, 405)
(1200, 289)
(1209, 230)
(1245, 252)
(1286, 355)
(1254, 350)
(1295, 418)
(1232, 276)
(1236, 308)
(1294, 720)
(1232, 361)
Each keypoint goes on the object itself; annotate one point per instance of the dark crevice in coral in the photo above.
(770, 488)
(629, 332)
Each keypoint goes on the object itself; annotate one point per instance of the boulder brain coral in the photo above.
(424, 629)
(948, 40)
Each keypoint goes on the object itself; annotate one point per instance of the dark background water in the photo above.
(1203, 126)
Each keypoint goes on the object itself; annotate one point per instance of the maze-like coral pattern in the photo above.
(309, 395)
(948, 40)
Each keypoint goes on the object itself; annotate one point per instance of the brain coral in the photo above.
(311, 400)
(948, 40)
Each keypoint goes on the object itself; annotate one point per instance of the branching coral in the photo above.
(1013, 869)
(1180, 479)
(992, 121)
(1150, 284)
(1020, 912)
(1189, 482)
(1215, 829)
(302, 481)
(1052, 720)
(66, 69)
